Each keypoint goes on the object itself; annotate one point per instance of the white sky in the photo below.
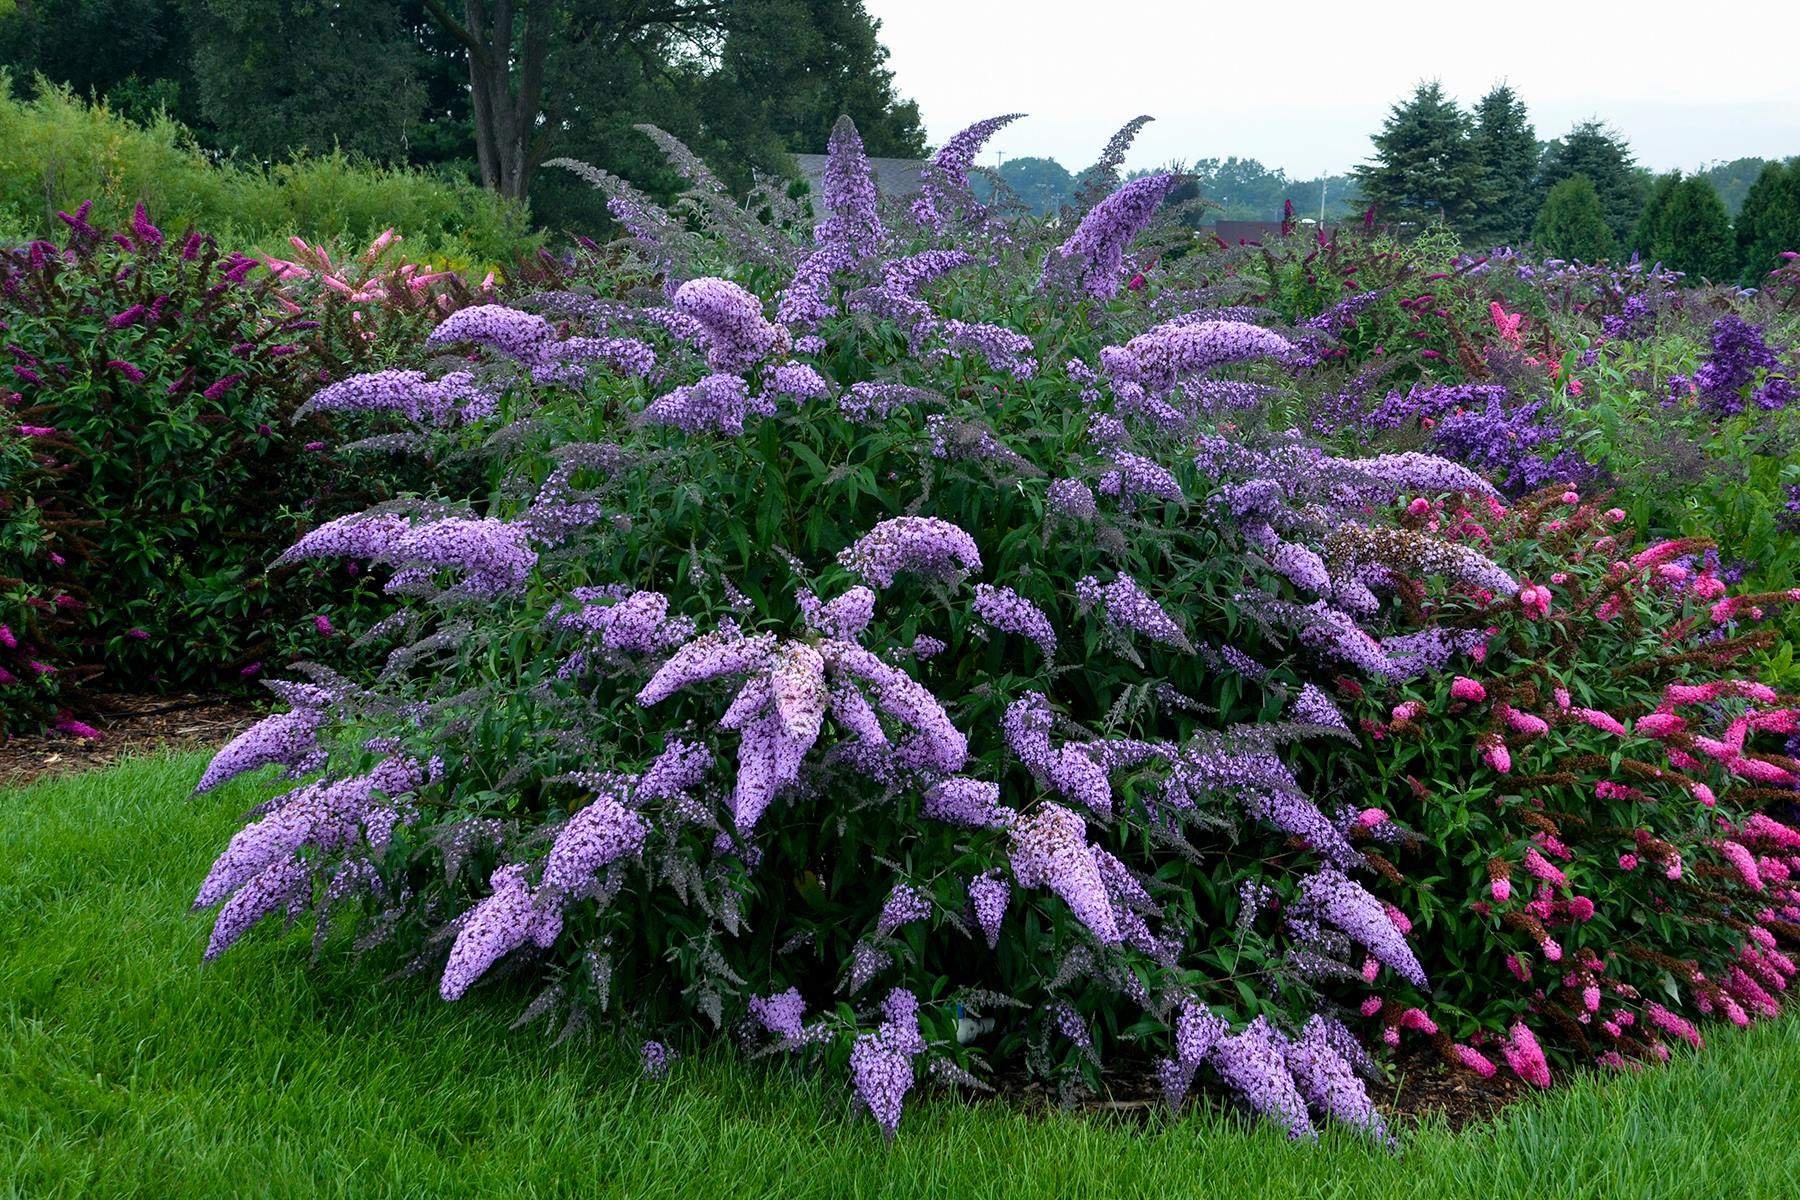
(1302, 84)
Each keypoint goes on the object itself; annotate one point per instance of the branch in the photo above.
(454, 27)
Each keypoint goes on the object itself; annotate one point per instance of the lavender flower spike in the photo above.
(944, 184)
(1330, 895)
(921, 545)
(1093, 256)
(736, 333)
(1003, 609)
(850, 195)
(1050, 849)
(1159, 358)
(285, 738)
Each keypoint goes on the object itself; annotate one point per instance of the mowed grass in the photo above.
(126, 1068)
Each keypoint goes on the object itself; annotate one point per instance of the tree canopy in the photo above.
(1686, 228)
(1425, 166)
(1604, 157)
(1769, 222)
(1572, 224)
(1507, 148)
(487, 87)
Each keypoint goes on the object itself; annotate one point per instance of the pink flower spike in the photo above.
(1525, 1056)
(1605, 722)
(1526, 723)
(1474, 1060)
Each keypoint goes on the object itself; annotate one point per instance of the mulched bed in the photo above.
(129, 725)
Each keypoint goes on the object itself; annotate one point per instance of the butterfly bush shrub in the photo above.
(1589, 821)
(894, 650)
(149, 471)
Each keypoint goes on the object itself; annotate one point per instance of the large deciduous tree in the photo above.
(277, 77)
(522, 55)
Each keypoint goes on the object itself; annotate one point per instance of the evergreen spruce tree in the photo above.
(1425, 167)
(1650, 221)
(1572, 224)
(1507, 148)
(1769, 222)
(1593, 150)
(1686, 228)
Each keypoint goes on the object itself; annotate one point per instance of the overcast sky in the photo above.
(1303, 87)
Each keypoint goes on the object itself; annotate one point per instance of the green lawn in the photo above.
(128, 1069)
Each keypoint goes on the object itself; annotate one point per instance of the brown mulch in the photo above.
(129, 725)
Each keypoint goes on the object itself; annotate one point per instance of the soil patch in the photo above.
(128, 725)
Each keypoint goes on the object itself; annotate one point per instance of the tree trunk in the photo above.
(511, 138)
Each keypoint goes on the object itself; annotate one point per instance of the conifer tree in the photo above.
(1769, 222)
(1507, 148)
(1572, 223)
(1643, 236)
(1602, 155)
(1425, 168)
(1686, 228)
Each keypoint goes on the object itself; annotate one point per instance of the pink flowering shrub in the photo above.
(1591, 823)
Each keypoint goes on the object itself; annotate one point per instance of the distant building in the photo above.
(1238, 233)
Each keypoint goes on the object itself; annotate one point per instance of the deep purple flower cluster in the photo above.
(1738, 353)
